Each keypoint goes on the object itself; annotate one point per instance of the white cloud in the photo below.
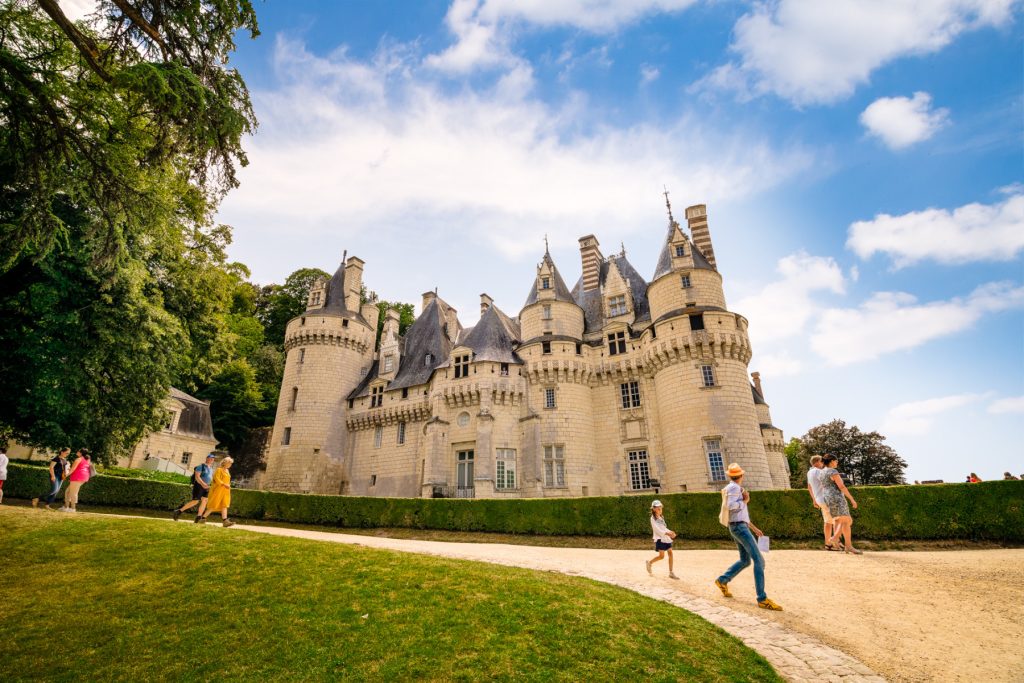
(783, 308)
(895, 321)
(484, 29)
(814, 52)
(1014, 404)
(648, 74)
(916, 417)
(975, 232)
(903, 121)
(348, 148)
(78, 9)
(774, 365)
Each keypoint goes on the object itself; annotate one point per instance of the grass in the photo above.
(144, 600)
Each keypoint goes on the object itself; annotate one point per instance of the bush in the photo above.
(991, 511)
(154, 475)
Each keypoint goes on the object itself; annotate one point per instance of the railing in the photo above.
(445, 491)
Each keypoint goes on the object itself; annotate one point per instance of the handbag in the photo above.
(723, 514)
(763, 543)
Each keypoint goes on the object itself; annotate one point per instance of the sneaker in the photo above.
(768, 603)
(724, 588)
(176, 515)
(648, 563)
(35, 503)
(227, 523)
(672, 575)
(65, 509)
(201, 520)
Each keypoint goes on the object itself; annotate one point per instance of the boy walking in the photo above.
(58, 473)
(814, 488)
(201, 478)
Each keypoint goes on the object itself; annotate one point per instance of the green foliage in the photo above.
(992, 511)
(236, 402)
(863, 456)
(277, 304)
(406, 316)
(152, 475)
(799, 462)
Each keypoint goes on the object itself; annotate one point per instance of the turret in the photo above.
(549, 310)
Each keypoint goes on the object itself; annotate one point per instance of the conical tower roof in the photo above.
(561, 290)
(665, 258)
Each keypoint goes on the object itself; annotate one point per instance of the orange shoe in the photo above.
(724, 588)
(768, 603)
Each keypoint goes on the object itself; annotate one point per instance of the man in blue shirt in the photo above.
(201, 479)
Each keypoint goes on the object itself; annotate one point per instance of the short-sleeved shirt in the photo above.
(3, 466)
(205, 473)
(734, 501)
(814, 479)
(58, 466)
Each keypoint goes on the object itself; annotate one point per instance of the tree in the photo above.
(862, 455)
(277, 304)
(235, 403)
(799, 463)
(406, 316)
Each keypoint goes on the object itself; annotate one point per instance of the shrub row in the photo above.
(991, 511)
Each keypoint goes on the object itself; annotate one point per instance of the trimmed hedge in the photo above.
(992, 511)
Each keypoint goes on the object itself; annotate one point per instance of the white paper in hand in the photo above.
(762, 544)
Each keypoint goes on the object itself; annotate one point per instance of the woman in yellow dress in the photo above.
(219, 499)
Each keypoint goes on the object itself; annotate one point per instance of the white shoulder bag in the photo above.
(723, 514)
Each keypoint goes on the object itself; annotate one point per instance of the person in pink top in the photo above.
(80, 472)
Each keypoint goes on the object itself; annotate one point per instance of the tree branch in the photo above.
(136, 18)
(83, 43)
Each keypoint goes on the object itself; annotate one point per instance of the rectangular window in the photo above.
(389, 363)
(378, 434)
(376, 396)
(295, 398)
(186, 458)
(505, 468)
(713, 447)
(707, 373)
(554, 465)
(461, 366)
(344, 322)
(639, 470)
(351, 403)
(630, 394)
(405, 392)
(579, 349)
(547, 312)
(503, 369)
(464, 469)
(302, 321)
(401, 433)
(373, 480)
(428, 360)
(549, 397)
(302, 355)
(617, 305)
(545, 347)
(680, 250)
(286, 438)
(686, 281)
(697, 321)
(545, 283)
(616, 343)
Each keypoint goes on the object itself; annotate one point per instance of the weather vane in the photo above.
(669, 206)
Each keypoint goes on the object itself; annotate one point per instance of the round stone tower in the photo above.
(328, 351)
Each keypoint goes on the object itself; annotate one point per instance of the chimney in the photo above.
(757, 382)
(427, 298)
(590, 254)
(485, 303)
(697, 218)
(353, 283)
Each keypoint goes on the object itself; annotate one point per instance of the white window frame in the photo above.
(505, 469)
(639, 469)
(545, 283)
(401, 433)
(554, 466)
(186, 458)
(630, 394)
(680, 250)
(461, 365)
(685, 279)
(617, 306)
(549, 398)
(707, 374)
(378, 436)
(616, 343)
(715, 459)
(377, 396)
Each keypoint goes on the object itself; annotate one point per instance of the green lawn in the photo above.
(147, 600)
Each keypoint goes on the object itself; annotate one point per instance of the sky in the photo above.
(861, 163)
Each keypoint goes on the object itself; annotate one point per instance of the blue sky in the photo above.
(860, 160)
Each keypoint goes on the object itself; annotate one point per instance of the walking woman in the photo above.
(743, 532)
(220, 493)
(663, 537)
(834, 495)
(81, 471)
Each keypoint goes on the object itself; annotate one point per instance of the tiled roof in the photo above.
(492, 338)
(591, 301)
(561, 290)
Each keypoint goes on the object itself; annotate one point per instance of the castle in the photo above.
(618, 386)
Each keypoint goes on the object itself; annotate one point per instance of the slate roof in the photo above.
(424, 336)
(665, 258)
(591, 301)
(561, 290)
(493, 337)
(334, 302)
(758, 398)
(195, 416)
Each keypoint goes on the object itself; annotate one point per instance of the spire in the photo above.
(668, 205)
(547, 251)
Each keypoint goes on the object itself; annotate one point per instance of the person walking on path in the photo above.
(81, 472)
(743, 533)
(220, 493)
(58, 473)
(835, 493)
(3, 471)
(202, 477)
(663, 537)
(814, 488)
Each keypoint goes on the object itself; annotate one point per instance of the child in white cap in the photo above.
(662, 538)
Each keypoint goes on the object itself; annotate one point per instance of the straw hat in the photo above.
(734, 471)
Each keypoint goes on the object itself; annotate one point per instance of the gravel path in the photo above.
(904, 616)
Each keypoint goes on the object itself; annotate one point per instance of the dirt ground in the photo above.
(910, 616)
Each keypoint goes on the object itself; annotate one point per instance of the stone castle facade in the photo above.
(620, 385)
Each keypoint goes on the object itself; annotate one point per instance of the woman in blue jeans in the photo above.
(743, 532)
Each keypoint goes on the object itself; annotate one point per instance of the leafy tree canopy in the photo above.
(277, 304)
(863, 456)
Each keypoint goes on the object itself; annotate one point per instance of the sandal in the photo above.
(854, 551)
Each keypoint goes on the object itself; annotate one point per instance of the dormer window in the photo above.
(617, 305)
(680, 250)
(376, 397)
(545, 283)
(616, 343)
(428, 360)
(461, 366)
